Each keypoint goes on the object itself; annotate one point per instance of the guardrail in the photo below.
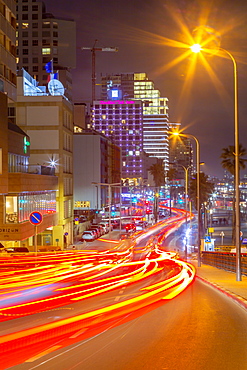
(224, 260)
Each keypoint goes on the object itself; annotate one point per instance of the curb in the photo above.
(238, 299)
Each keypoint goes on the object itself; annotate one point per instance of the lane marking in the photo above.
(78, 333)
(41, 354)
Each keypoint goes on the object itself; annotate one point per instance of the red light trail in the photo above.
(35, 284)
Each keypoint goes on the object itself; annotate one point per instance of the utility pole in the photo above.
(93, 50)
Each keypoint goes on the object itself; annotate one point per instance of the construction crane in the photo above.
(93, 50)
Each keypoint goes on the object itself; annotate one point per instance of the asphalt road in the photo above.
(199, 330)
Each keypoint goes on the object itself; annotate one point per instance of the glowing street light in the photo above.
(196, 48)
(176, 133)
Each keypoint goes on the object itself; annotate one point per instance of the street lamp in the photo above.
(186, 171)
(109, 198)
(197, 48)
(198, 191)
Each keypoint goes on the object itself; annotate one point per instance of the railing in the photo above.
(225, 261)
(33, 168)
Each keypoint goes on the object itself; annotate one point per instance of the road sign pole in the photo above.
(35, 239)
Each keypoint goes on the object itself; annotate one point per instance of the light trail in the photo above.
(46, 282)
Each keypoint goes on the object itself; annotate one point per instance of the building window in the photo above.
(24, 17)
(55, 43)
(35, 60)
(35, 16)
(35, 34)
(35, 8)
(46, 24)
(11, 209)
(35, 69)
(46, 51)
(46, 34)
(35, 25)
(25, 60)
(25, 43)
(35, 43)
(25, 51)
(55, 34)
(24, 25)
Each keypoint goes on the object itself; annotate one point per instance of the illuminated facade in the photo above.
(23, 188)
(155, 110)
(121, 121)
(48, 121)
(41, 38)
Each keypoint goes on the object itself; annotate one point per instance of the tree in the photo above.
(158, 172)
(228, 163)
(228, 158)
(206, 189)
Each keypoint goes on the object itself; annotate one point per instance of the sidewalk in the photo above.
(224, 281)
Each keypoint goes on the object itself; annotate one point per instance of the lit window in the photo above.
(25, 25)
(46, 51)
(137, 152)
(103, 116)
(131, 152)
(123, 121)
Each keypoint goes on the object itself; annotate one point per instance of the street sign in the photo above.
(35, 218)
(207, 239)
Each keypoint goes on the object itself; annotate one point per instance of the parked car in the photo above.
(89, 235)
(106, 226)
(100, 227)
(97, 231)
(17, 250)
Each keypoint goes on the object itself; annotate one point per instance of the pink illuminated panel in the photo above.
(117, 102)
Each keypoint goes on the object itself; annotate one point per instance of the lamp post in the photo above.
(186, 171)
(197, 192)
(197, 48)
(109, 197)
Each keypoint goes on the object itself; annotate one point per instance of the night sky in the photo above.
(151, 35)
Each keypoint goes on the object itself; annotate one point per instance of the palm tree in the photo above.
(228, 158)
(228, 163)
(158, 172)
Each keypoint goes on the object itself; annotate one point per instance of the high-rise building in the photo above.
(181, 156)
(121, 120)
(42, 38)
(155, 124)
(8, 49)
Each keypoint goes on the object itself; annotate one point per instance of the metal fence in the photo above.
(225, 261)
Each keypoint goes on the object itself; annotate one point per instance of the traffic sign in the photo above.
(35, 218)
(207, 239)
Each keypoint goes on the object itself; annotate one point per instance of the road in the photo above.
(200, 330)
